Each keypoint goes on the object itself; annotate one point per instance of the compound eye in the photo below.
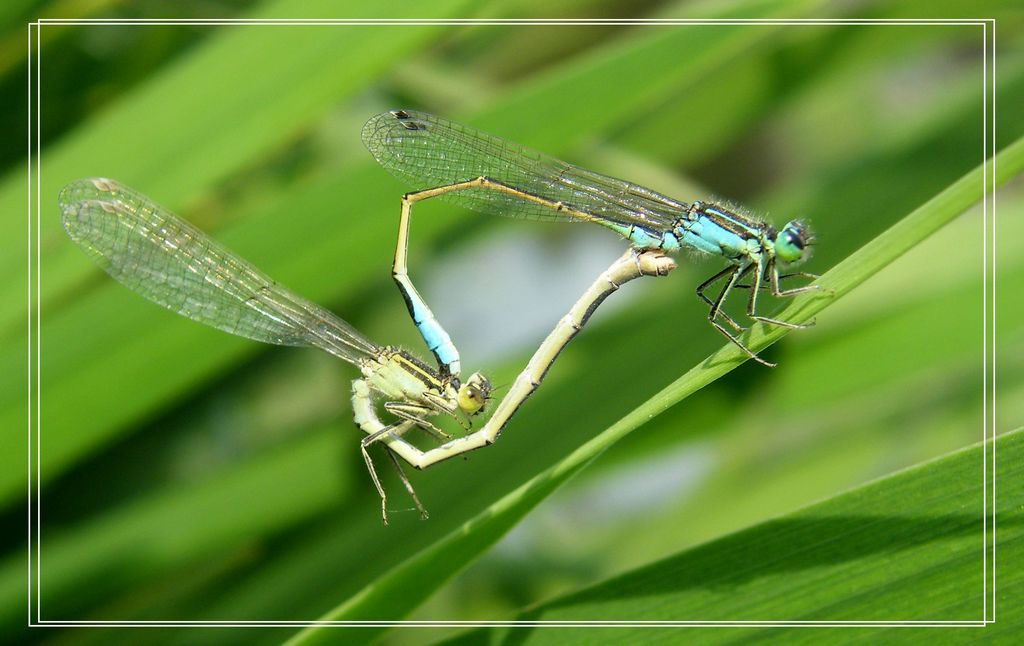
(471, 400)
(791, 243)
(473, 395)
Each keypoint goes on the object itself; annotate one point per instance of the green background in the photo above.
(189, 475)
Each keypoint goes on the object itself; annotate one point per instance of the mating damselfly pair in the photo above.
(170, 262)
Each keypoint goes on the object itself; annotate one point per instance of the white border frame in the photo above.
(988, 331)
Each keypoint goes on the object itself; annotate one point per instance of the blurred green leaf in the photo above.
(179, 526)
(225, 103)
(909, 547)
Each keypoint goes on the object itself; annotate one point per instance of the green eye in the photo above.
(791, 245)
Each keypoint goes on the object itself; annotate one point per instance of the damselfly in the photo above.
(172, 263)
(441, 158)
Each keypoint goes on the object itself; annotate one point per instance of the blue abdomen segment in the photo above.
(644, 239)
(435, 336)
(704, 234)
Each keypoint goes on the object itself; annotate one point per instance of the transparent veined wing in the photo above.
(172, 263)
(427, 151)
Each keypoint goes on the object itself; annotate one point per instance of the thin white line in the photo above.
(569, 623)
(401, 22)
(516, 21)
(984, 322)
(993, 314)
(502, 22)
(28, 195)
(39, 346)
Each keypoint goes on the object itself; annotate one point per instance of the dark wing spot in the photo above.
(405, 119)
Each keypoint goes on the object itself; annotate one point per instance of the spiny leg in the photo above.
(408, 485)
(399, 428)
(782, 277)
(716, 310)
(441, 404)
(365, 416)
(701, 295)
(793, 291)
(755, 286)
(417, 415)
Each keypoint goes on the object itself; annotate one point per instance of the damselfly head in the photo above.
(793, 243)
(474, 394)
